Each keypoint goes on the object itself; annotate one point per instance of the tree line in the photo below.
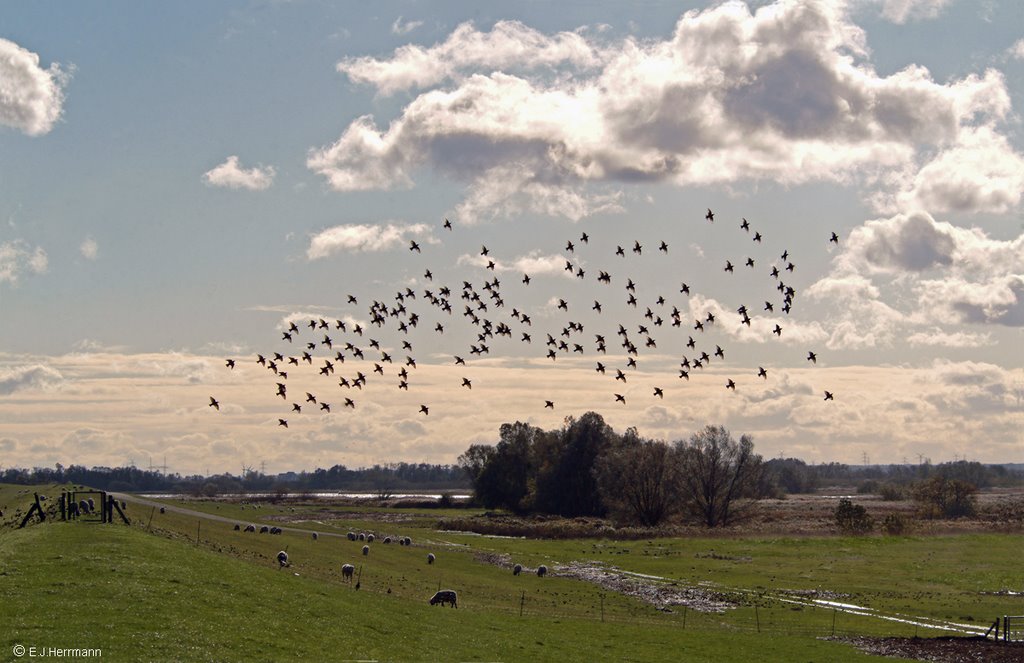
(391, 477)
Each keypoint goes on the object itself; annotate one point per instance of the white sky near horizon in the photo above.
(178, 181)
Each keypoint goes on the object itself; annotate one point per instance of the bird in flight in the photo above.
(745, 225)
(762, 373)
(811, 357)
(230, 363)
(447, 224)
(214, 404)
(710, 216)
(834, 239)
(659, 393)
(466, 383)
(619, 398)
(413, 246)
(282, 422)
(424, 409)
(549, 404)
(828, 396)
(730, 385)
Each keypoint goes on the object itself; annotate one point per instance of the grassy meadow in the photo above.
(175, 587)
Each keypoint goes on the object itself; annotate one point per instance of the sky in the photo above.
(180, 182)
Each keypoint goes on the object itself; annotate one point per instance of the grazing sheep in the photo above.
(517, 569)
(282, 559)
(408, 541)
(264, 529)
(347, 571)
(250, 528)
(542, 571)
(163, 510)
(362, 536)
(315, 536)
(92, 505)
(237, 527)
(369, 538)
(445, 596)
(83, 506)
(351, 536)
(275, 530)
(366, 550)
(430, 558)
(387, 539)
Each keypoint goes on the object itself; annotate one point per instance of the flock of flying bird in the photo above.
(326, 347)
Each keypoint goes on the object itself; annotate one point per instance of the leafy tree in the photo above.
(715, 473)
(501, 474)
(939, 497)
(637, 480)
(566, 483)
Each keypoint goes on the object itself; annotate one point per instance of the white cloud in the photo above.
(358, 238)
(937, 337)
(1016, 51)
(89, 249)
(532, 122)
(400, 27)
(31, 98)
(37, 376)
(232, 176)
(510, 44)
(980, 173)
(904, 11)
(16, 256)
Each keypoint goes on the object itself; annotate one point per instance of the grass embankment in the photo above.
(137, 596)
(149, 591)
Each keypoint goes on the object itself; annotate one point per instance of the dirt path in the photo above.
(142, 501)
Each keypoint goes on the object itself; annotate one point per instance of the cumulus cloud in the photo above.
(531, 122)
(232, 176)
(941, 273)
(37, 376)
(31, 98)
(16, 256)
(359, 238)
(89, 249)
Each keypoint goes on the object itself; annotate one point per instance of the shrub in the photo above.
(894, 524)
(891, 492)
(869, 487)
(852, 518)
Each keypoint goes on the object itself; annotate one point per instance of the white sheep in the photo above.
(369, 538)
(351, 536)
(387, 539)
(264, 529)
(282, 559)
(347, 571)
(542, 571)
(366, 550)
(362, 536)
(445, 596)
(250, 528)
(517, 569)
(430, 558)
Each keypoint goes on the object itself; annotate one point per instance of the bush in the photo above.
(869, 487)
(853, 518)
(894, 524)
(891, 492)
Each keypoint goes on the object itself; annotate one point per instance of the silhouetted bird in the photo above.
(282, 422)
(413, 246)
(659, 393)
(828, 396)
(745, 225)
(230, 363)
(761, 373)
(710, 216)
(811, 357)
(834, 239)
(730, 385)
(214, 404)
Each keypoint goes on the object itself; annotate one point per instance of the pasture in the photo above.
(177, 586)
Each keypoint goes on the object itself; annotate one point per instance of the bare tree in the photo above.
(715, 473)
(637, 480)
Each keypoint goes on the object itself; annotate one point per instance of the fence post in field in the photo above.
(757, 618)
(602, 607)
(149, 527)
(522, 601)
(834, 611)
(199, 523)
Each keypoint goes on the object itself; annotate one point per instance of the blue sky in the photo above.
(178, 181)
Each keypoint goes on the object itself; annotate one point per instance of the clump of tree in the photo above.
(852, 518)
(586, 469)
(639, 480)
(792, 475)
(940, 497)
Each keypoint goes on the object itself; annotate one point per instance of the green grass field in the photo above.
(151, 592)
